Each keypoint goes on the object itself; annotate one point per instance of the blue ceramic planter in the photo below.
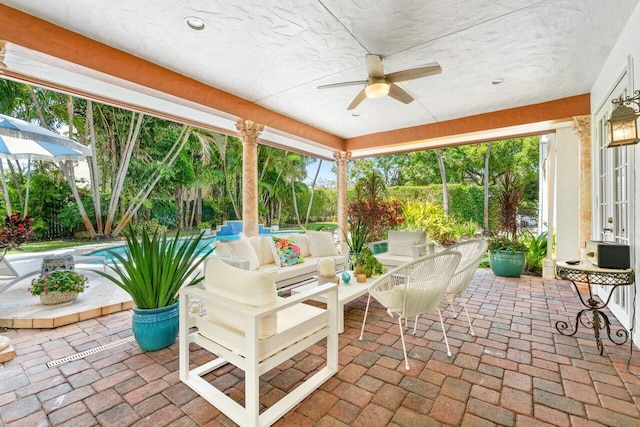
(507, 263)
(155, 328)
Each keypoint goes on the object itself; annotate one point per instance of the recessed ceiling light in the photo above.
(498, 81)
(195, 23)
(356, 114)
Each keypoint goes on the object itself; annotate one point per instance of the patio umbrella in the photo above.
(21, 140)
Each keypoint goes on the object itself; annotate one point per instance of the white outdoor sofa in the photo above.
(258, 253)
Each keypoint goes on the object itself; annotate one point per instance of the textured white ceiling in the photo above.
(275, 53)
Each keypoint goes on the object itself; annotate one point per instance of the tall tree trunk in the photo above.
(486, 232)
(37, 106)
(122, 170)
(94, 172)
(67, 170)
(70, 116)
(313, 190)
(443, 176)
(144, 192)
(180, 204)
(199, 204)
(193, 208)
(4, 190)
(295, 202)
(16, 182)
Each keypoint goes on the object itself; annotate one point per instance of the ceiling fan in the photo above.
(380, 84)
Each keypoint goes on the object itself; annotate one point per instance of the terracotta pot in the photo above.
(361, 278)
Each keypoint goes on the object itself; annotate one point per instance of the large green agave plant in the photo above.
(154, 268)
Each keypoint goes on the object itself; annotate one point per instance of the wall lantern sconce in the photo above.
(622, 127)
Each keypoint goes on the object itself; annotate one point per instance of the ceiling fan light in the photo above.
(377, 88)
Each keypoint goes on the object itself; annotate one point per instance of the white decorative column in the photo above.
(249, 131)
(582, 128)
(548, 264)
(342, 158)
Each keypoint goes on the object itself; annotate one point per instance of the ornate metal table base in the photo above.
(592, 275)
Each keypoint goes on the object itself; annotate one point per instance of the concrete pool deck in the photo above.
(20, 310)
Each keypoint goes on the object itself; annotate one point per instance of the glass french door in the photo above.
(613, 220)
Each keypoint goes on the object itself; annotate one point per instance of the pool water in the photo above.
(204, 243)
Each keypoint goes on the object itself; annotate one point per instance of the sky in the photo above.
(325, 172)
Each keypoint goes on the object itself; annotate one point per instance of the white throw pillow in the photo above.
(243, 249)
(401, 247)
(222, 249)
(263, 245)
(402, 242)
(321, 243)
(252, 288)
(302, 241)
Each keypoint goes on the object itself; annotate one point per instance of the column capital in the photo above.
(341, 157)
(249, 131)
(582, 126)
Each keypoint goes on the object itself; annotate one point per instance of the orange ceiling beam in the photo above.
(42, 36)
(551, 111)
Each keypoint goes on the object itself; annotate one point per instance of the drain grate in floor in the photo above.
(88, 352)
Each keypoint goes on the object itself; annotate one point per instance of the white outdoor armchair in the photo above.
(247, 325)
(472, 252)
(414, 288)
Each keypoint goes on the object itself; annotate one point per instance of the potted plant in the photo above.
(507, 256)
(358, 234)
(507, 253)
(358, 271)
(369, 263)
(58, 286)
(152, 270)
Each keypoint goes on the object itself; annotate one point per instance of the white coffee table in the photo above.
(346, 293)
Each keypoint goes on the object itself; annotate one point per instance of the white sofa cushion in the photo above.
(302, 241)
(401, 243)
(222, 249)
(253, 288)
(321, 244)
(243, 249)
(263, 246)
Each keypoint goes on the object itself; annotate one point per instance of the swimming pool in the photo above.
(205, 242)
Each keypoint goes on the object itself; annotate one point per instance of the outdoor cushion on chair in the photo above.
(234, 329)
(402, 247)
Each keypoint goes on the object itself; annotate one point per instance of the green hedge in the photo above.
(466, 203)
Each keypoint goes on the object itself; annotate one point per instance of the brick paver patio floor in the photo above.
(517, 370)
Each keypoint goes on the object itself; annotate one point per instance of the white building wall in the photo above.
(567, 215)
(626, 50)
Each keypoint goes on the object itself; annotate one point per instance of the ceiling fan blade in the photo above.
(359, 82)
(374, 66)
(396, 92)
(414, 73)
(357, 100)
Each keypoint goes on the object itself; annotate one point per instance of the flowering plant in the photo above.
(58, 280)
(15, 230)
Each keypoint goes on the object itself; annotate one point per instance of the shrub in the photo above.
(537, 251)
(150, 227)
(15, 231)
(423, 215)
(503, 243)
